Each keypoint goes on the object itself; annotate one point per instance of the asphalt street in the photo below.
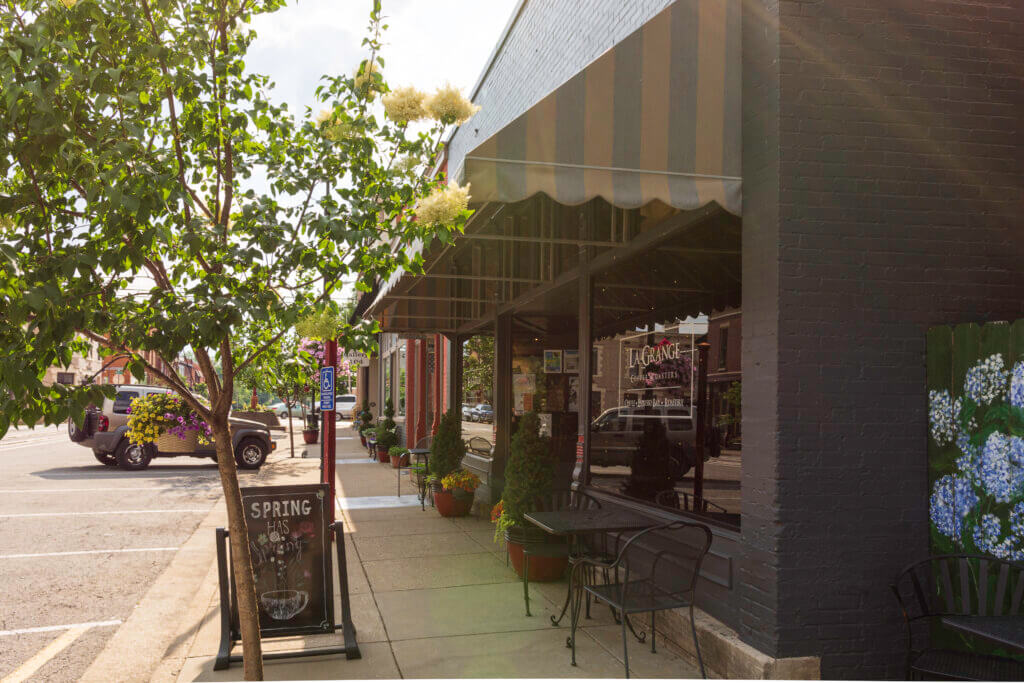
(80, 543)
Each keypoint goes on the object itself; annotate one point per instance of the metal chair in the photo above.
(957, 586)
(419, 457)
(680, 500)
(656, 569)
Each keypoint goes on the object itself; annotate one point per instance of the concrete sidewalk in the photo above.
(431, 598)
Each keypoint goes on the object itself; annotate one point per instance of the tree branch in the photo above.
(172, 110)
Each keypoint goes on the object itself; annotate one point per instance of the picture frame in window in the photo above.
(552, 361)
(571, 360)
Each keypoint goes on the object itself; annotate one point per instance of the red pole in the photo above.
(438, 408)
(331, 361)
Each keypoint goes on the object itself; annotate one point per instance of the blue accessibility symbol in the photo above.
(326, 388)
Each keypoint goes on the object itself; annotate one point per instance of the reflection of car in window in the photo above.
(616, 435)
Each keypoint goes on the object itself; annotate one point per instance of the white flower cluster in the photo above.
(448, 106)
(331, 128)
(403, 105)
(985, 383)
(365, 78)
(942, 416)
(443, 205)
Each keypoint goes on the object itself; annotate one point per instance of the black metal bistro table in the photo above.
(1007, 631)
(574, 523)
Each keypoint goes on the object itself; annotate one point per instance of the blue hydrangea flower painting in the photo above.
(977, 429)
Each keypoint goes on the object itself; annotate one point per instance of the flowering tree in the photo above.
(980, 507)
(131, 130)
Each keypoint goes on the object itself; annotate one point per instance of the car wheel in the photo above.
(250, 454)
(107, 459)
(132, 456)
(283, 415)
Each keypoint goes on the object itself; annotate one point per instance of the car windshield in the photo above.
(484, 407)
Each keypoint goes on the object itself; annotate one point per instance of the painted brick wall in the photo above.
(900, 177)
(550, 42)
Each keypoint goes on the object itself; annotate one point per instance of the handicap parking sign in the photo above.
(326, 388)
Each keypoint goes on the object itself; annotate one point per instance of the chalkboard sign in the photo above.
(290, 544)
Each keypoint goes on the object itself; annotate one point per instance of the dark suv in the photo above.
(104, 431)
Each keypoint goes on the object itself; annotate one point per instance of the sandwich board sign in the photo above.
(289, 539)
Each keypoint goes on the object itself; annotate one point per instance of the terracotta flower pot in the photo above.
(382, 454)
(542, 567)
(399, 460)
(362, 440)
(309, 436)
(451, 506)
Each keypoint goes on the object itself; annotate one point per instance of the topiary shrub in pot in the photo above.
(446, 453)
(387, 435)
(529, 475)
(364, 418)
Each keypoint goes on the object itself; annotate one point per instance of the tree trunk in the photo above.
(291, 428)
(241, 560)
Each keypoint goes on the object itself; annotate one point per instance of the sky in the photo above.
(428, 42)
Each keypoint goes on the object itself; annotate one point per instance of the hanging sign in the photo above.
(327, 388)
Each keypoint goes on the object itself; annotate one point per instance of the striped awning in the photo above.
(655, 117)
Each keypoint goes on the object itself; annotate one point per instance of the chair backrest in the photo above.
(478, 445)
(960, 585)
(425, 442)
(669, 555)
(565, 499)
(680, 500)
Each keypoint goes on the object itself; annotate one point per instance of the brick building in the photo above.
(876, 145)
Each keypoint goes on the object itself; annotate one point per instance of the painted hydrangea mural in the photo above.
(976, 439)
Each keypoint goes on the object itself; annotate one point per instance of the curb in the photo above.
(155, 639)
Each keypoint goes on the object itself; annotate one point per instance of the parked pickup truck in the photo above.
(104, 431)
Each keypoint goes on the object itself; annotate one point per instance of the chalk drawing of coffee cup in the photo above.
(285, 604)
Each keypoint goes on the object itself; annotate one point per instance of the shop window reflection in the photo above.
(643, 445)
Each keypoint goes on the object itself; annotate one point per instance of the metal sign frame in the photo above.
(327, 388)
(230, 630)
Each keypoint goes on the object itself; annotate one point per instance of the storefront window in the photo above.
(643, 440)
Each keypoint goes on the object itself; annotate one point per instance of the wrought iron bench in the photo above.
(974, 594)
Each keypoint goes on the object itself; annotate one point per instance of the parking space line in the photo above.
(60, 627)
(105, 488)
(36, 662)
(102, 512)
(87, 552)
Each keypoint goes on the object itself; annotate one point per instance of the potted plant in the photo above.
(386, 433)
(312, 430)
(528, 475)
(399, 456)
(364, 418)
(446, 450)
(455, 499)
(417, 471)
